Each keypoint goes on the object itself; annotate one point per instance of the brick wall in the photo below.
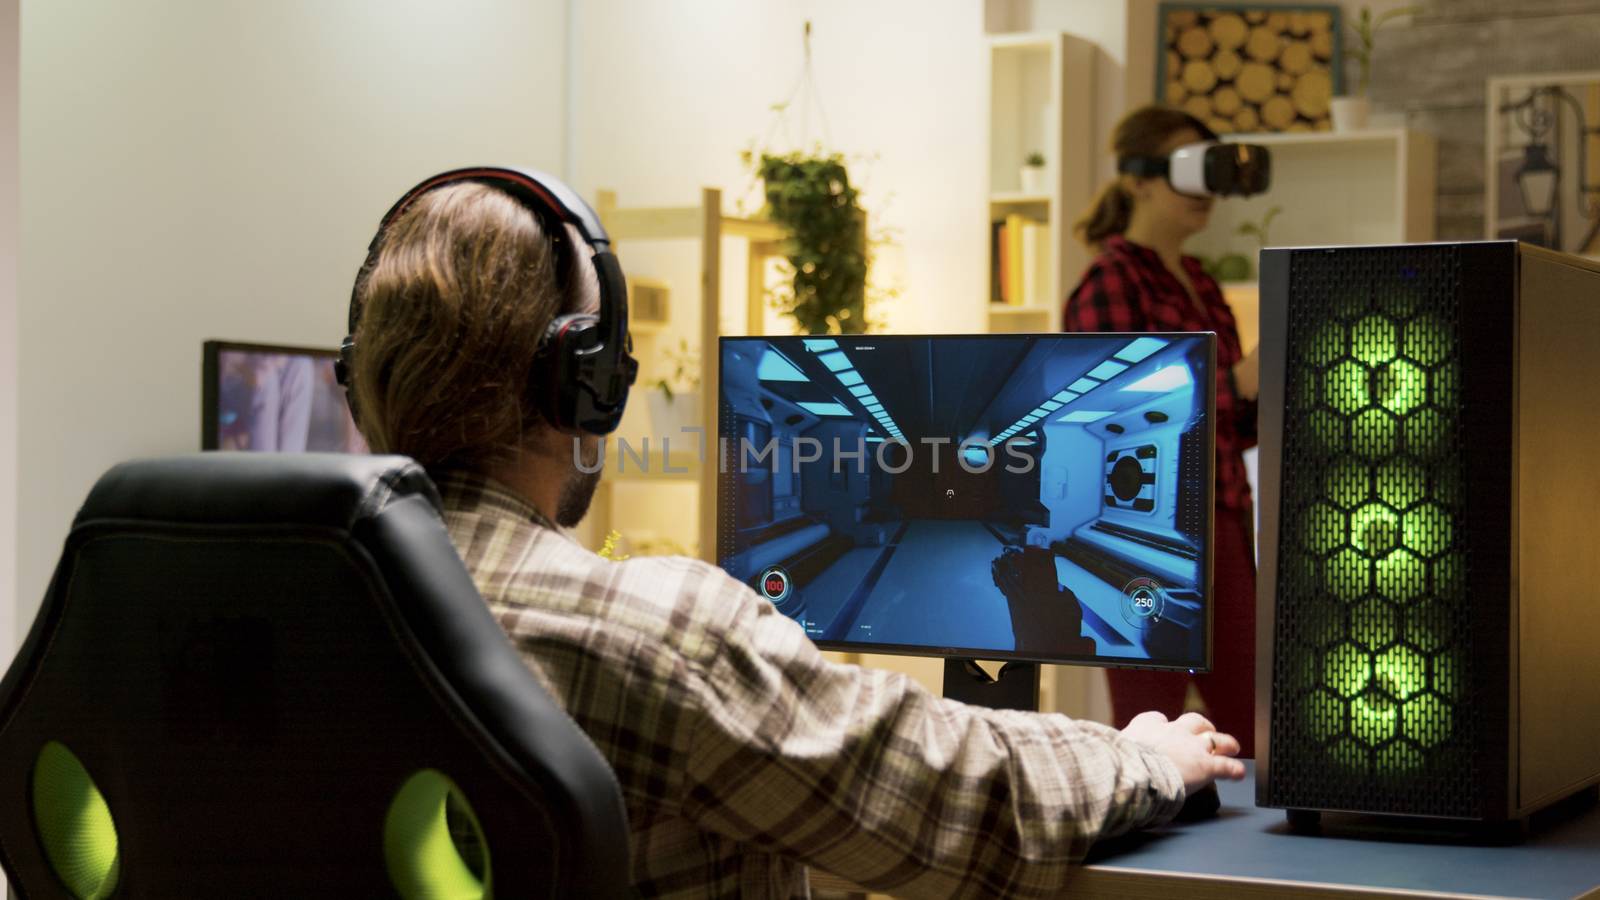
(1434, 71)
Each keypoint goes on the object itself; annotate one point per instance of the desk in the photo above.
(1249, 853)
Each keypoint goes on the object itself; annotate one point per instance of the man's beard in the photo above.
(578, 492)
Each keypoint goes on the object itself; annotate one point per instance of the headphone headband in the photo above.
(549, 193)
(586, 363)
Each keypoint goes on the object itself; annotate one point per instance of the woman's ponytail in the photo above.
(1106, 216)
(1142, 132)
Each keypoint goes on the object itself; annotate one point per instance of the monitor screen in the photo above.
(263, 397)
(1031, 497)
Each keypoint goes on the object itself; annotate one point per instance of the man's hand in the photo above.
(1201, 753)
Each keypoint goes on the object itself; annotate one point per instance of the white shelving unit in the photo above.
(1041, 99)
(1362, 187)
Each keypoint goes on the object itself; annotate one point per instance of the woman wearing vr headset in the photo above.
(1170, 171)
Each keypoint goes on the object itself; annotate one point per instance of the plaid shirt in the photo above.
(745, 756)
(1128, 288)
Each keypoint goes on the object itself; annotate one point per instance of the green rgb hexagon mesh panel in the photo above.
(1372, 640)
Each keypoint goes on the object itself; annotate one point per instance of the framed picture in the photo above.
(1543, 160)
(1243, 69)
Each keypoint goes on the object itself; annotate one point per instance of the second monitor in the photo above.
(1018, 497)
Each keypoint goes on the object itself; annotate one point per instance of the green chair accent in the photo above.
(424, 861)
(75, 825)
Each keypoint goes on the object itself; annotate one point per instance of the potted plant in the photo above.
(1349, 111)
(1235, 266)
(810, 195)
(1033, 181)
(675, 402)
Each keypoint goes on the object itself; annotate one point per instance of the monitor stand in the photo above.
(1016, 688)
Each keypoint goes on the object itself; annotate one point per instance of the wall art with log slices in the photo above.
(1244, 69)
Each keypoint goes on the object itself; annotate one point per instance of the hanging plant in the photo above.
(811, 196)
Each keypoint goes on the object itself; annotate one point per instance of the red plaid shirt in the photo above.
(1128, 288)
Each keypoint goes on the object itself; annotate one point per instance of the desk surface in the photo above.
(1250, 852)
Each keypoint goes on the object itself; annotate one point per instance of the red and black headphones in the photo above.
(584, 365)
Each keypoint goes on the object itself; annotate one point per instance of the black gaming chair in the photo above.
(262, 675)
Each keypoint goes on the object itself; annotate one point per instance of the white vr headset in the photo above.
(1209, 169)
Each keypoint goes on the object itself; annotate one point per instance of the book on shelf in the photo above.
(1019, 253)
(997, 265)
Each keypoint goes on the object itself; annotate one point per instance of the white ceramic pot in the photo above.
(1032, 178)
(1349, 113)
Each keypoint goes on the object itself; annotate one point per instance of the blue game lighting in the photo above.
(861, 390)
(1050, 405)
(1084, 416)
(849, 377)
(774, 366)
(1038, 411)
(1084, 385)
(1162, 380)
(976, 455)
(1107, 370)
(1065, 397)
(836, 361)
(817, 345)
(825, 409)
(1139, 348)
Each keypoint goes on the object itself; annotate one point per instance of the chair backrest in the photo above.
(265, 675)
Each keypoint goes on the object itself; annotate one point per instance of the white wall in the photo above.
(668, 93)
(215, 170)
(9, 634)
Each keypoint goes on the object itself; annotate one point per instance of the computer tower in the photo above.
(1429, 597)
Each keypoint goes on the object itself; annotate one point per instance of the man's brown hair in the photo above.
(453, 309)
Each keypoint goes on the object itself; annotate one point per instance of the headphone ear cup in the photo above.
(559, 379)
(343, 374)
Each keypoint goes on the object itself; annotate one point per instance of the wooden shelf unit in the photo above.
(708, 225)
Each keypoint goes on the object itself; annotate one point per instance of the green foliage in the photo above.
(1366, 31)
(1258, 230)
(685, 370)
(811, 196)
(1035, 160)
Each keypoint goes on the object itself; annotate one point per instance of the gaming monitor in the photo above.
(265, 397)
(1013, 497)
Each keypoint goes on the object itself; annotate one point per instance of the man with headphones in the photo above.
(488, 340)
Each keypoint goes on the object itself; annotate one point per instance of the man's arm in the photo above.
(864, 774)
